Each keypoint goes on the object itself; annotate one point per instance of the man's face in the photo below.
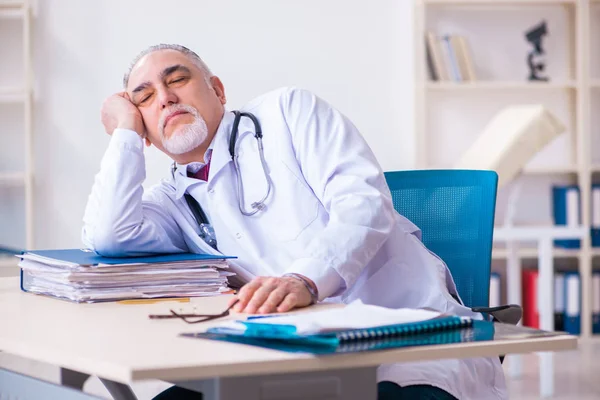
(179, 108)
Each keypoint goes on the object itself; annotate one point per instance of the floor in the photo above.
(577, 375)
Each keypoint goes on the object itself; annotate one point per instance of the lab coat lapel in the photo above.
(220, 156)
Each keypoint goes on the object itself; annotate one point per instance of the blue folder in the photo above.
(572, 319)
(596, 301)
(559, 199)
(86, 257)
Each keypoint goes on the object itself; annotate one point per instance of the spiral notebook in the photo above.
(356, 327)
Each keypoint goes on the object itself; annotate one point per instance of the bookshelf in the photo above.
(498, 3)
(11, 9)
(16, 157)
(490, 85)
(12, 179)
(571, 92)
(10, 95)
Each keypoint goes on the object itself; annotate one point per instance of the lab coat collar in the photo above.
(219, 157)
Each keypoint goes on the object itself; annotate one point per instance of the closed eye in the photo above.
(177, 80)
(145, 98)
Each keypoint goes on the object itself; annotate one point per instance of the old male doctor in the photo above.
(309, 216)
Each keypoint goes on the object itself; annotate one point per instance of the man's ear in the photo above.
(219, 89)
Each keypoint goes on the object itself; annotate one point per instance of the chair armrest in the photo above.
(509, 313)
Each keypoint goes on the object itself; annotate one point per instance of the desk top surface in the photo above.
(119, 342)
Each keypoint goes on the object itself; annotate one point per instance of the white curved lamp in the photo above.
(510, 140)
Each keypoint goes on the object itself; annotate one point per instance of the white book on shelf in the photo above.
(434, 50)
(572, 203)
(572, 296)
(596, 293)
(464, 57)
(559, 293)
(596, 207)
(495, 299)
(450, 58)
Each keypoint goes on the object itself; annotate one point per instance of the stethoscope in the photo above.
(206, 230)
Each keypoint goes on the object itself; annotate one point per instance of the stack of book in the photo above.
(449, 58)
(84, 276)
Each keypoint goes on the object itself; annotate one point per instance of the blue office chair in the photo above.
(455, 211)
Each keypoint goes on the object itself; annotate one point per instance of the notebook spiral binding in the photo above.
(455, 336)
(408, 329)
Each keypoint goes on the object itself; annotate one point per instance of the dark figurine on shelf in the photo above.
(535, 58)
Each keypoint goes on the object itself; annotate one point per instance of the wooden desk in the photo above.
(119, 343)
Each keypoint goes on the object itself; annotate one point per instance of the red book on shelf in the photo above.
(531, 316)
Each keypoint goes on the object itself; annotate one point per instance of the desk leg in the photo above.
(545, 303)
(72, 379)
(513, 279)
(118, 391)
(546, 374)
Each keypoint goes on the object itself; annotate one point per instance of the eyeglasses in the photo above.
(193, 318)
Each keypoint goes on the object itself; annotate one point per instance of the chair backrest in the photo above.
(455, 211)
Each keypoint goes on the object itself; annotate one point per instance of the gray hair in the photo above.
(182, 49)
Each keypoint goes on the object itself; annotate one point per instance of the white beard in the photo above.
(187, 137)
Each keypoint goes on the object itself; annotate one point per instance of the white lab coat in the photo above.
(330, 217)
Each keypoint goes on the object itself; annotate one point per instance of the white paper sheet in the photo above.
(354, 316)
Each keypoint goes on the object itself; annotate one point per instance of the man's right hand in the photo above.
(119, 112)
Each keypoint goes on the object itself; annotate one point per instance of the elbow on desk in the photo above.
(110, 242)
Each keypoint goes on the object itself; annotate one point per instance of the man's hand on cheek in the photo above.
(119, 112)
(265, 295)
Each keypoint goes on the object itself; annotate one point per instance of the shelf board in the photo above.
(551, 170)
(499, 85)
(532, 252)
(11, 9)
(12, 178)
(12, 95)
(542, 170)
(499, 3)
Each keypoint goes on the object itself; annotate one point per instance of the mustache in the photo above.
(173, 109)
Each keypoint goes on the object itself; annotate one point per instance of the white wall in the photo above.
(355, 54)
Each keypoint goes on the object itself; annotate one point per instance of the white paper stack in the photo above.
(81, 280)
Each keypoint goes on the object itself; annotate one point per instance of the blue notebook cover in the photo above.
(411, 336)
(88, 257)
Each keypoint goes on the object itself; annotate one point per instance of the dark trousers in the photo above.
(385, 391)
